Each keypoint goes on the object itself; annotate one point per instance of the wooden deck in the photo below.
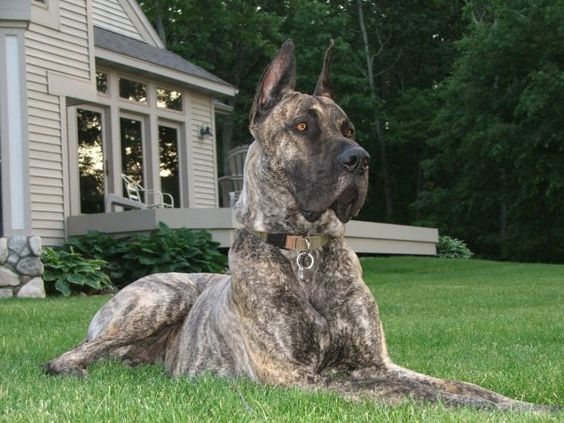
(363, 237)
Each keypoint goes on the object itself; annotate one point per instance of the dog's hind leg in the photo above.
(396, 384)
(136, 324)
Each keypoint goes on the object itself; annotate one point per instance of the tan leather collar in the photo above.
(293, 242)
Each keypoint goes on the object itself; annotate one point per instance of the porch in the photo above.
(363, 237)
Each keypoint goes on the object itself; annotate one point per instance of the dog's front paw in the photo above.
(53, 368)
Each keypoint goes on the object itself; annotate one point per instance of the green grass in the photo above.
(500, 325)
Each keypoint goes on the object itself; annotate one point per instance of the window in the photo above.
(169, 99)
(102, 82)
(133, 90)
(90, 160)
(132, 148)
(168, 167)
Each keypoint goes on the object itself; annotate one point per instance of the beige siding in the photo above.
(204, 185)
(110, 15)
(64, 51)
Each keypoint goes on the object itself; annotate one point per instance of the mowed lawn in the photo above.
(500, 325)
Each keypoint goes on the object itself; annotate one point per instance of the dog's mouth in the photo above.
(346, 206)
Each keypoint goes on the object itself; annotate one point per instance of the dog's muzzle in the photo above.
(350, 197)
(354, 159)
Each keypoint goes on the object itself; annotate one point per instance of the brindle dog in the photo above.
(295, 310)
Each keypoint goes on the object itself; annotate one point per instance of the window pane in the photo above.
(90, 161)
(169, 99)
(102, 82)
(132, 90)
(132, 148)
(169, 169)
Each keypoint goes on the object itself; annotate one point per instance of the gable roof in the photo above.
(142, 23)
(140, 50)
(124, 17)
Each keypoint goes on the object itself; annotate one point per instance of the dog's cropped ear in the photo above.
(278, 78)
(323, 87)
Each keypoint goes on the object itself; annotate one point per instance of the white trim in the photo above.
(139, 19)
(72, 161)
(158, 72)
(214, 148)
(16, 138)
(222, 108)
(91, 54)
(65, 156)
(69, 86)
(189, 152)
(15, 10)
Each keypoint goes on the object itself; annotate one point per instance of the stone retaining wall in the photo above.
(21, 268)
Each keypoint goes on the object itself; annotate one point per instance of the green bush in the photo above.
(453, 248)
(68, 272)
(163, 250)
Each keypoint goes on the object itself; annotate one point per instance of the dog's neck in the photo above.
(266, 205)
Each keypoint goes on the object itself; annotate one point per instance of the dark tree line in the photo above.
(459, 102)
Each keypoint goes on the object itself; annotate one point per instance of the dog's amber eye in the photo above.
(302, 126)
(348, 133)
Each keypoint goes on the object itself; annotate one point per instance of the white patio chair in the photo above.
(136, 192)
(231, 185)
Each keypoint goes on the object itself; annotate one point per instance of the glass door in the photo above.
(169, 169)
(91, 159)
(132, 156)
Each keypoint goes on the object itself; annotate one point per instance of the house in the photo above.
(91, 92)
(88, 91)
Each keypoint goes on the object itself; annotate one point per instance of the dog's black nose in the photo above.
(354, 159)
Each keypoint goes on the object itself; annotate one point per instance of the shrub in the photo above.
(163, 250)
(453, 248)
(97, 245)
(167, 250)
(68, 272)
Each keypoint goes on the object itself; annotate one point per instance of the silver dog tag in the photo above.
(304, 261)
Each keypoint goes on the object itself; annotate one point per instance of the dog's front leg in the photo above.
(283, 334)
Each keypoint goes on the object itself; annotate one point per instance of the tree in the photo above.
(496, 178)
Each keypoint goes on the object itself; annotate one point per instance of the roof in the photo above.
(159, 56)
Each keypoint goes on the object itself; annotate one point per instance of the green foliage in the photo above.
(163, 250)
(463, 117)
(496, 175)
(69, 272)
(452, 248)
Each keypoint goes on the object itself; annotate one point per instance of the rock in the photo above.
(17, 243)
(30, 266)
(25, 252)
(8, 277)
(13, 259)
(4, 252)
(33, 289)
(34, 243)
(6, 293)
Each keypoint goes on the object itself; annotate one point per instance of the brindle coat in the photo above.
(304, 175)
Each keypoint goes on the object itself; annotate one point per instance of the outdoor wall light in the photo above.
(205, 131)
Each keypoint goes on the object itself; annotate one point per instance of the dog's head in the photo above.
(307, 142)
